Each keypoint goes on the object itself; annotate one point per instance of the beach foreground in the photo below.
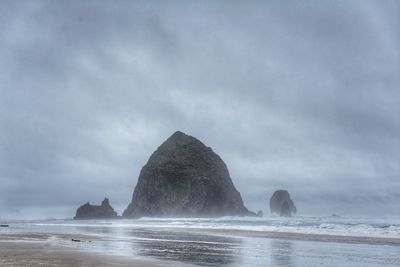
(37, 252)
(17, 254)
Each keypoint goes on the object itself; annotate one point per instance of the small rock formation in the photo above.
(281, 204)
(185, 178)
(87, 211)
(260, 213)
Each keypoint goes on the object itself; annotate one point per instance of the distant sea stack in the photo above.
(185, 178)
(87, 211)
(281, 204)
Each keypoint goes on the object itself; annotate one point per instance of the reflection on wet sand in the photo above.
(206, 250)
(95, 230)
(281, 253)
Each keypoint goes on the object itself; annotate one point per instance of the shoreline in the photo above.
(312, 237)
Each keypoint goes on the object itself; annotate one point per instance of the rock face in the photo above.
(281, 204)
(87, 211)
(185, 178)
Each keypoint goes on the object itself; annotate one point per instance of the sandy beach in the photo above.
(37, 250)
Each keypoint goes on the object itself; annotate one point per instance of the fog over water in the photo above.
(301, 96)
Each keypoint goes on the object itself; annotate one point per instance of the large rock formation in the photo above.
(281, 204)
(87, 211)
(185, 178)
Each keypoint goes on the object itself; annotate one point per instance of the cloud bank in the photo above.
(303, 96)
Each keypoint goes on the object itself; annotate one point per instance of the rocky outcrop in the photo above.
(185, 178)
(87, 211)
(282, 204)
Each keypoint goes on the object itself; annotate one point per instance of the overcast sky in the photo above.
(303, 96)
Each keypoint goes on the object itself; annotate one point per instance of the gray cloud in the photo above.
(303, 96)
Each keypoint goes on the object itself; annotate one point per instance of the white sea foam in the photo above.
(344, 226)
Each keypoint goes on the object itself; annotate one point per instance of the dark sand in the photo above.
(36, 250)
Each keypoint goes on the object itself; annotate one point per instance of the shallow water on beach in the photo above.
(228, 242)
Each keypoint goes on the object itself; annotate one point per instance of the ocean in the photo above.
(233, 241)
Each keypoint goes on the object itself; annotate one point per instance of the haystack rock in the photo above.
(282, 204)
(185, 178)
(87, 211)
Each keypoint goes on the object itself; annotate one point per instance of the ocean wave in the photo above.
(324, 225)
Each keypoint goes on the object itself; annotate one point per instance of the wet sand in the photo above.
(36, 250)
